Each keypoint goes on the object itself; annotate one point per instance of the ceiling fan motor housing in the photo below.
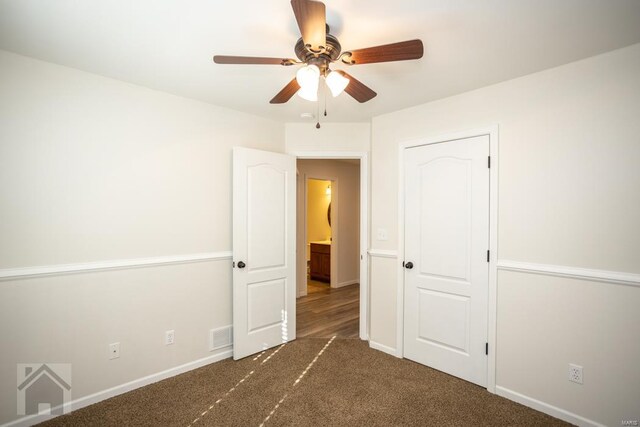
(322, 60)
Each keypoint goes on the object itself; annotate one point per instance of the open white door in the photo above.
(446, 256)
(264, 239)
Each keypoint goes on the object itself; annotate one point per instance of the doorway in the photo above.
(319, 234)
(330, 252)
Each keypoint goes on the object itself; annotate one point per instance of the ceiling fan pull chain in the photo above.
(324, 91)
(325, 105)
(318, 115)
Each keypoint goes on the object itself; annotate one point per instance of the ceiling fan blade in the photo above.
(358, 90)
(223, 59)
(286, 93)
(402, 51)
(312, 21)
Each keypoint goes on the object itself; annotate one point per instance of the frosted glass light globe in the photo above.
(310, 93)
(308, 76)
(336, 82)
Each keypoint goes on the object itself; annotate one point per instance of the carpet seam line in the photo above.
(297, 381)
(238, 383)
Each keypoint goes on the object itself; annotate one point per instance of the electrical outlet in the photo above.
(382, 234)
(575, 373)
(169, 337)
(114, 350)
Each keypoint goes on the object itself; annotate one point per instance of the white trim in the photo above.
(81, 402)
(62, 269)
(538, 405)
(383, 253)
(616, 277)
(302, 248)
(492, 132)
(399, 266)
(381, 347)
(492, 303)
(363, 156)
(327, 155)
(347, 283)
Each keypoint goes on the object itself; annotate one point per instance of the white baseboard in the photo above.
(554, 411)
(81, 402)
(347, 283)
(384, 348)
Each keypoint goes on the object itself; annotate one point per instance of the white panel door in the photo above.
(264, 282)
(446, 272)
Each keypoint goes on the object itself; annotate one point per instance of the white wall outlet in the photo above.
(382, 234)
(114, 350)
(169, 337)
(575, 373)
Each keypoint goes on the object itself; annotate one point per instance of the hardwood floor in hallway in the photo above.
(325, 312)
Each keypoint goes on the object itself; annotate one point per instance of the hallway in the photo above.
(325, 312)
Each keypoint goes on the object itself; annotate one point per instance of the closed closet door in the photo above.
(446, 275)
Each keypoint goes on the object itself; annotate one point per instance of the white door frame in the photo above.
(363, 156)
(492, 132)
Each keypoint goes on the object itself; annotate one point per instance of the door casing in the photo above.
(492, 132)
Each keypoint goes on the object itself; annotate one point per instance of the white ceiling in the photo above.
(168, 44)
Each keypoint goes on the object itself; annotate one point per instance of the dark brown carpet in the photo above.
(349, 384)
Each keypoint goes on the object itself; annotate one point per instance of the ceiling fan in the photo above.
(317, 49)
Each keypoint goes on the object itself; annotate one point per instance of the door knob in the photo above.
(408, 265)
(241, 264)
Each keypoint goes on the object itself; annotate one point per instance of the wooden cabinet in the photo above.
(320, 262)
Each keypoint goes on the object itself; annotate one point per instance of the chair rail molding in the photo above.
(383, 253)
(615, 277)
(62, 269)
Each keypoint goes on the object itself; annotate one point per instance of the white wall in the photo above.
(345, 206)
(318, 227)
(569, 195)
(330, 137)
(94, 169)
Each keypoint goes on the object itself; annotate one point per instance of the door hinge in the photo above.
(488, 255)
(486, 348)
(489, 161)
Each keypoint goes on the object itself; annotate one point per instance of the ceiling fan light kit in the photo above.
(317, 49)
(336, 82)
(309, 79)
(309, 93)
